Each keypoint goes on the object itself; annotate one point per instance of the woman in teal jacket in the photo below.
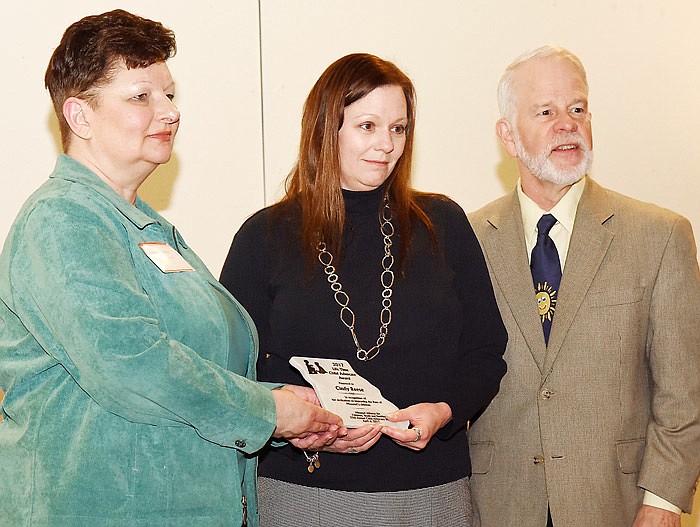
(128, 369)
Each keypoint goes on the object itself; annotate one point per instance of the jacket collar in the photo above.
(69, 169)
(505, 245)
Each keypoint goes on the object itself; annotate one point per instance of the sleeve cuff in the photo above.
(653, 500)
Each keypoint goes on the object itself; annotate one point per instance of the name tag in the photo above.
(165, 257)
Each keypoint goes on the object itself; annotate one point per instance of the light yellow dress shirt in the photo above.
(565, 213)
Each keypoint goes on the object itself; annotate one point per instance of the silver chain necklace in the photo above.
(347, 315)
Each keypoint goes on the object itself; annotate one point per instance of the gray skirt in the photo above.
(285, 504)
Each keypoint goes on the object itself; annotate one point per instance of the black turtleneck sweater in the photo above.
(445, 341)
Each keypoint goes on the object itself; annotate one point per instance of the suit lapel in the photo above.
(590, 241)
(505, 248)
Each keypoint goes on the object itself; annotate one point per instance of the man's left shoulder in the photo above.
(640, 212)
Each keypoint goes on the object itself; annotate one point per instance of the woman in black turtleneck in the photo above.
(349, 199)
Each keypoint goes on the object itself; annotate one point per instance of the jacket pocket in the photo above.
(615, 297)
(629, 455)
(481, 454)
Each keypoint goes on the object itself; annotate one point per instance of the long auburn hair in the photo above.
(314, 182)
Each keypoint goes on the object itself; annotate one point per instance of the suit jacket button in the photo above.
(240, 443)
(546, 393)
(538, 460)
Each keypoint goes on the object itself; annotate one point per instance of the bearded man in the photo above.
(597, 422)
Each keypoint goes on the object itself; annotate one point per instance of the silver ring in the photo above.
(419, 433)
(352, 450)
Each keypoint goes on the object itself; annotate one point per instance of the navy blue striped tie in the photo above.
(546, 273)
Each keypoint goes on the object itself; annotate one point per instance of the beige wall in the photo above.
(245, 67)
(642, 60)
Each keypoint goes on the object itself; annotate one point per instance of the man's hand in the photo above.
(649, 516)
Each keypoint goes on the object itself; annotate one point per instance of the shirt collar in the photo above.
(564, 211)
(69, 169)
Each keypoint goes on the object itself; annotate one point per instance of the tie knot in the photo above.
(545, 224)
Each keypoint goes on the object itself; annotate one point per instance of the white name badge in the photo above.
(345, 393)
(165, 257)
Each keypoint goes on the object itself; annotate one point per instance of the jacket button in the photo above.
(546, 393)
(538, 460)
(240, 443)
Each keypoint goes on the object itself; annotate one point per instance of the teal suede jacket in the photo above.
(130, 394)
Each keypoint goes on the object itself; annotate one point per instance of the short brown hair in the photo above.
(314, 182)
(92, 47)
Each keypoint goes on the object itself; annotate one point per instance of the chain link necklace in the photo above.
(347, 315)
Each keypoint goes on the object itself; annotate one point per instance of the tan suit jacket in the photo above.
(612, 406)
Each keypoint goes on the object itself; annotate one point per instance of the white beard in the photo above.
(542, 167)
